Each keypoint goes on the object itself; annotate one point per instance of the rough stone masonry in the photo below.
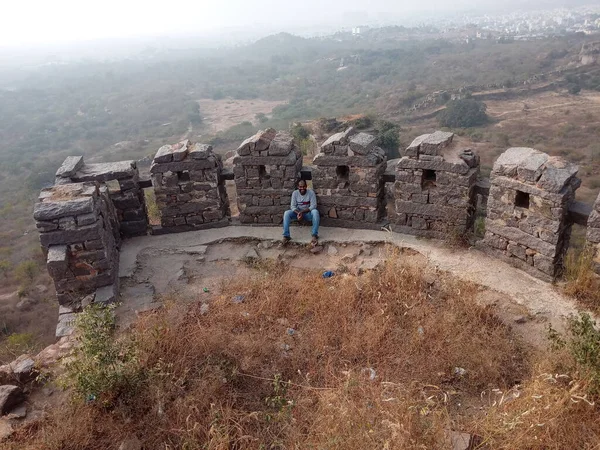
(434, 188)
(266, 168)
(190, 193)
(77, 224)
(348, 179)
(526, 222)
(593, 234)
(122, 179)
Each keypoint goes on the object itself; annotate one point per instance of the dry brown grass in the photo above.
(370, 363)
(581, 281)
(551, 411)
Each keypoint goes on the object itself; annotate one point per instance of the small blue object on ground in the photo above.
(238, 299)
(328, 274)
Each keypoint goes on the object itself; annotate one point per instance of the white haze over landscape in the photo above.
(41, 22)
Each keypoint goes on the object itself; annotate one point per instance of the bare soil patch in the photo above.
(219, 115)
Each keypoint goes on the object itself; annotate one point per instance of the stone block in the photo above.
(48, 210)
(362, 143)
(70, 166)
(103, 172)
(200, 151)
(281, 145)
(434, 143)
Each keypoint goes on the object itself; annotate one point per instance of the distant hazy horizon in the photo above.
(40, 22)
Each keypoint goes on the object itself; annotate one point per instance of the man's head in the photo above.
(302, 187)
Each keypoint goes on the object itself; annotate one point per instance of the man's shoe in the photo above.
(314, 241)
(285, 240)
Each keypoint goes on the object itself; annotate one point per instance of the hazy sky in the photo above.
(49, 21)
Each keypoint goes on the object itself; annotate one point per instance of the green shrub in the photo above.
(26, 271)
(463, 114)
(104, 368)
(19, 343)
(5, 267)
(583, 342)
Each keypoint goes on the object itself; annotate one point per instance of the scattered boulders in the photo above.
(19, 412)
(21, 370)
(10, 396)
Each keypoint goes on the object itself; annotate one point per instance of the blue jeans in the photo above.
(312, 216)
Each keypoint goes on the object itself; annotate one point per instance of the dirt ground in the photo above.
(199, 273)
(219, 115)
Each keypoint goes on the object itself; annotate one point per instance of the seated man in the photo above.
(304, 207)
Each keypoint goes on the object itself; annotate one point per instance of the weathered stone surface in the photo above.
(508, 162)
(370, 160)
(87, 233)
(10, 396)
(340, 138)
(70, 166)
(460, 168)
(179, 166)
(281, 145)
(200, 151)
(516, 235)
(362, 143)
(556, 174)
(103, 172)
(21, 370)
(531, 169)
(49, 210)
(164, 154)
(106, 294)
(435, 142)
(289, 160)
(413, 149)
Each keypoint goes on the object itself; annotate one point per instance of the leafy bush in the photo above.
(5, 267)
(463, 114)
(26, 271)
(583, 342)
(19, 343)
(103, 367)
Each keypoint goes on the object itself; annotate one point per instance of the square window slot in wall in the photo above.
(522, 200)
(429, 179)
(183, 176)
(264, 172)
(343, 173)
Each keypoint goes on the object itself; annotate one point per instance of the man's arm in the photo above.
(294, 203)
(313, 200)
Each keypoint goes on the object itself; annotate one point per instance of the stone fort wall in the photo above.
(431, 191)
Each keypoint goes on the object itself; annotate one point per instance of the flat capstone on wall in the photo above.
(122, 179)
(347, 177)
(593, 234)
(76, 223)
(266, 168)
(434, 188)
(529, 199)
(190, 193)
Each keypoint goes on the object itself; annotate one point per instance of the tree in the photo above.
(463, 114)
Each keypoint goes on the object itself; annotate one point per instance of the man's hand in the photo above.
(299, 216)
